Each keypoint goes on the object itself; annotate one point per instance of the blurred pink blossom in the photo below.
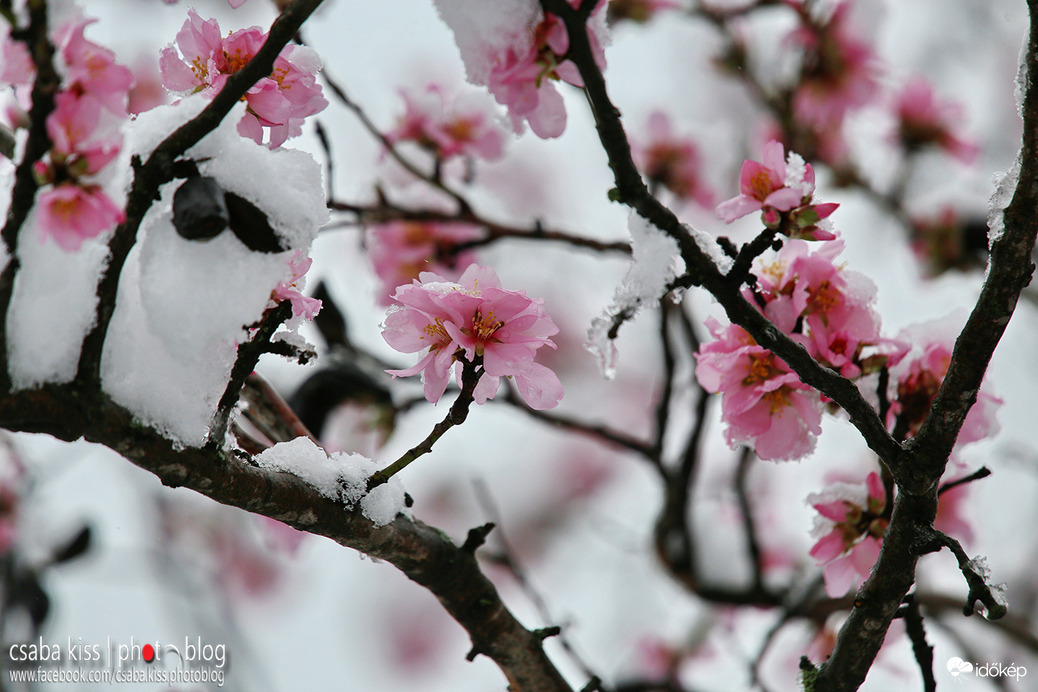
(449, 125)
(671, 161)
(838, 72)
(401, 250)
(71, 127)
(918, 378)
(16, 66)
(473, 318)
(925, 121)
(91, 69)
(71, 213)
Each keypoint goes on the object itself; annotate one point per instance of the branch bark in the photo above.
(425, 554)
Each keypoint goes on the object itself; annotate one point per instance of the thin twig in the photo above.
(457, 414)
(507, 558)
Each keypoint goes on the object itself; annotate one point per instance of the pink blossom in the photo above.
(923, 121)
(72, 213)
(16, 65)
(671, 161)
(781, 187)
(147, 91)
(401, 250)
(449, 126)
(72, 127)
(279, 102)
(809, 287)
(473, 320)
(522, 73)
(91, 69)
(763, 402)
(849, 530)
(291, 289)
(838, 72)
(235, 4)
(918, 378)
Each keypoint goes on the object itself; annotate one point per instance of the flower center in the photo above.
(483, 329)
(760, 370)
(437, 333)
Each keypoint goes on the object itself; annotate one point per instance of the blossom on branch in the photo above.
(918, 378)
(91, 69)
(71, 213)
(292, 289)
(824, 306)
(279, 102)
(85, 136)
(401, 250)
(449, 125)
(473, 321)
(849, 528)
(763, 402)
(518, 52)
(782, 188)
(671, 161)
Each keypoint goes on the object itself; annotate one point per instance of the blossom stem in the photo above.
(457, 414)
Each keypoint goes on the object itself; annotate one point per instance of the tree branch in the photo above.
(149, 176)
(1009, 270)
(421, 552)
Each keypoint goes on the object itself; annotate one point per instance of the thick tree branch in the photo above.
(421, 552)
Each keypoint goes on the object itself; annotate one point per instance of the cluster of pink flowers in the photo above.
(280, 102)
(522, 73)
(827, 309)
(824, 306)
(924, 121)
(401, 250)
(449, 125)
(303, 306)
(671, 161)
(474, 320)
(781, 187)
(84, 132)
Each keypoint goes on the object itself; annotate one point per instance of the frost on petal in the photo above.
(655, 262)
